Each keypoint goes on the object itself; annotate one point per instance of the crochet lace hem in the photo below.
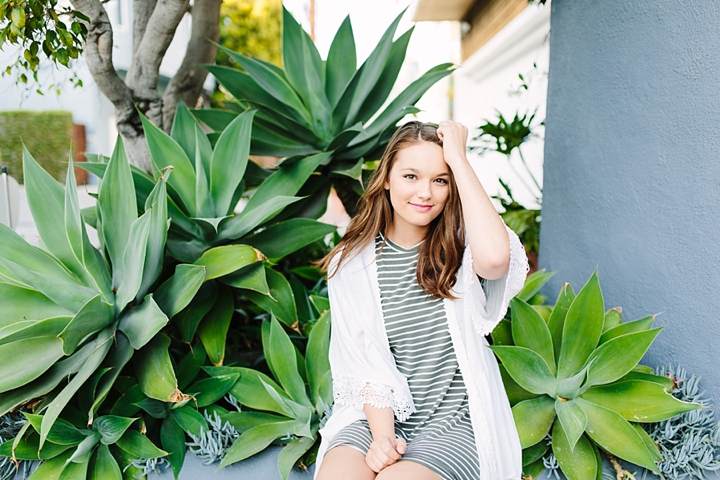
(357, 393)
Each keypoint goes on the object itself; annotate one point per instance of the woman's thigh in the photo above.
(344, 463)
(407, 470)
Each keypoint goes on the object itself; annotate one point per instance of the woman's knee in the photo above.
(344, 463)
(407, 470)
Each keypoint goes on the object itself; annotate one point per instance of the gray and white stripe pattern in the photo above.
(439, 434)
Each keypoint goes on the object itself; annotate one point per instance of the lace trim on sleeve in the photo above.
(357, 393)
(518, 270)
(514, 282)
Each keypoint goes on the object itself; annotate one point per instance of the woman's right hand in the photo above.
(384, 451)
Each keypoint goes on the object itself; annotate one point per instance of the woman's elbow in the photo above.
(493, 268)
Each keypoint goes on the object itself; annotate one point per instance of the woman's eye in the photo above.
(442, 181)
(410, 176)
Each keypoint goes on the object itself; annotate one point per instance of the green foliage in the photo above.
(48, 132)
(287, 408)
(41, 28)
(94, 312)
(573, 374)
(525, 222)
(689, 443)
(310, 106)
(253, 28)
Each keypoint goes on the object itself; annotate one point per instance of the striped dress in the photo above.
(439, 434)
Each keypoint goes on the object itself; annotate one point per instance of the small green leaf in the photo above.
(577, 464)
(190, 420)
(289, 455)
(256, 440)
(173, 441)
(527, 368)
(62, 432)
(25, 360)
(533, 419)
(613, 318)
(514, 391)
(111, 427)
(251, 277)
(229, 160)
(316, 357)
(629, 327)
(140, 324)
(530, 331)
(573, 420)
(250, 391)
(92, 317)
(155, 372)
(209, 390)
(220, 261)
(502, 333)
(286, 237)
(615, 435)
(105, 466)
(615, 358)
(189, 319)
(139, 446)
(246, 420)
(214, 327)
(533, 283)
(284, 364)
(638, 401)
(177, 291)
(280, 302)
(582, 329)
(165, 152)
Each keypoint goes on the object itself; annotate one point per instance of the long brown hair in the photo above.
(440, 255)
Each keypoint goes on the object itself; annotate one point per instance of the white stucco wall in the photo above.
(488, 82)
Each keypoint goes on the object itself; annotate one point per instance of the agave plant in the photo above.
(206, 229)
(310, 105)
(576, 378)
(288, 409)
(71, 311)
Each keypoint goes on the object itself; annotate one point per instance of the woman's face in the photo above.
(419, 185)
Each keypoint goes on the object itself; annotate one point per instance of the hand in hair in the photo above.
(454, 136)
(487, 237)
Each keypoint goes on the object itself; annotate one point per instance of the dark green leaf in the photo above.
(530, 331)
(533, 419)
(582, 329)
(214, 327)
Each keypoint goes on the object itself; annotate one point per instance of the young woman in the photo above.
(417, 393)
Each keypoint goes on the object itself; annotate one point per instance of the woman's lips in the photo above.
(421, 208)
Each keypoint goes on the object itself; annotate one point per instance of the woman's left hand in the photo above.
(454, 136)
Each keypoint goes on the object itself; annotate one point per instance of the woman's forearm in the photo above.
(381, 421)
(486, 232)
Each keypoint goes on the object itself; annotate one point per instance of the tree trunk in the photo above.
(98, 55)
(154, 26)
(187, 83)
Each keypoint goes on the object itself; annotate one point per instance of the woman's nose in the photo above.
(424, 190)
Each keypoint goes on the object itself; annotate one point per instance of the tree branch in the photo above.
(142, 9)
(98, 55)
(142, 77)
(187, 83)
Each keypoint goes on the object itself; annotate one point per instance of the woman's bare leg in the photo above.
(407, 470)
(344, 463)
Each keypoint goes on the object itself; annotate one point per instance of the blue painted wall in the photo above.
(632, 167)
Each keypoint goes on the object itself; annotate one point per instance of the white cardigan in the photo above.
(364, 371)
